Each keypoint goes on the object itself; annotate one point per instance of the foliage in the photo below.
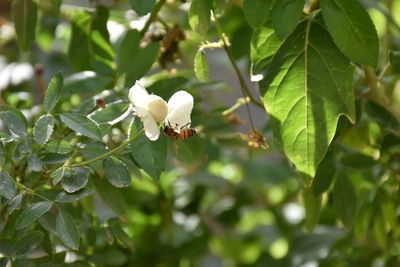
(81, 185)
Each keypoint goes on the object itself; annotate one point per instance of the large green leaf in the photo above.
(111, 196)
(134, 61)
(24, 13)
(285, 16)
(308, 86)
(31, 214)
(345, 199)
(200, 15)
(27, 243)
(67, 230)
(352, 30)
(81, 125)
(142, 7)
(14, 119)
(74, 179)
(116, 172)
(256, 11)
(53, 92)
(8, 188)
(43, 129)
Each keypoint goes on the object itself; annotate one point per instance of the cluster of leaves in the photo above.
(80, 184)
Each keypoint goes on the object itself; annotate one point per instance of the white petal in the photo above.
(138, 95)
(151, 128)
(157, 107)
(180, 107)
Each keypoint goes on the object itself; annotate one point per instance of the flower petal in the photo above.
(180, 107)
(157, 107)
(151, 128)
(138, 95)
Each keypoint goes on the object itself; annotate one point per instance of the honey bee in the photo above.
(184, 132)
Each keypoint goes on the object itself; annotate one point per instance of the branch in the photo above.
(152, 17)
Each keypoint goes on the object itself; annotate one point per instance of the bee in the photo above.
(184, 132)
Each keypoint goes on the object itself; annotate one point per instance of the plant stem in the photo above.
(152, 17)
(30, 191)
(115, 150)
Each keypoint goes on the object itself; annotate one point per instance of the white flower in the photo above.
(180, 107)
(151, 109)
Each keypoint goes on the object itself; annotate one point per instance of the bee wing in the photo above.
(180, 107)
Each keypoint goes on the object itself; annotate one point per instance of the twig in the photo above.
(383, 71)
(30, 191)
(152, 17)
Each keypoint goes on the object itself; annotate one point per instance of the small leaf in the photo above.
(43, 129)
(111, 196)
(256, 11)
(14, 119)
(15, 203)
(285, 16)
(53, 92)
(7, 246)
(8, 188)
(352, 30)
(324, 176)
(142, 7)
(312, 206)
(59, 146)
(201, 66)
(31, 214)
(358, 160)
(64, 197)
(67, 230)
(34, 163)
(394, 57)
(81, 125)
(75, 179)
(27, 243)
(200, 15)
(345, 199)
(116, 172)
(24, 13)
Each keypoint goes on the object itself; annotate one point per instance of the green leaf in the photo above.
(67, 230)
(324, 176)
(381, 115)
(43, 129)
(8, 188)
(201, 66)
(345, 200)
(14, 119)
(15, 203)
(85, 81)
(142, 7)
(31, 214)
(34, 163)
(74, 179)
(256, 11)
(358, 160)
(24, 13)
(64, 197)
(130, 53)
(264, 44)
(165, 88)
(200, 15)
(3, 154)
(394, 57)
(352, 30)
(150, 155)
(81, 125)
(308, 86)
(7, 246)
(312, 206)
(110, 112)
(28, 243)
(285, 16)
(53, 92)
(116, 172)
(111, 196)
(59, 146)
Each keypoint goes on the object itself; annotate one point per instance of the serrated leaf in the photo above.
(150, 155)
(67, 230)
(14, 119)
(312, 206)
(85, 81)
(81, 125)
(285, 16)
(74, 179)
(256, 11)
(64, 197)
(43, 129)
(35, 163)
(27, 243)
(200, 15)
(8, 188)
(130, 51)
(142, 7)
(308, 86)
(116, 172)
(58, 146)
(345, 199)
(24, 13)
(53, 92)
(31, 214)
(111, 196)
(352, 30)
(394, 57)
(201, 66)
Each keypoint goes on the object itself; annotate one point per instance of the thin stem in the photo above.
(30, 191)
(113, 151)
(383, 71)
(152, 17)
(239, 102)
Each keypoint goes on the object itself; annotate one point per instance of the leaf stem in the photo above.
(113, 151)
(30, 191)
(152, 17)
